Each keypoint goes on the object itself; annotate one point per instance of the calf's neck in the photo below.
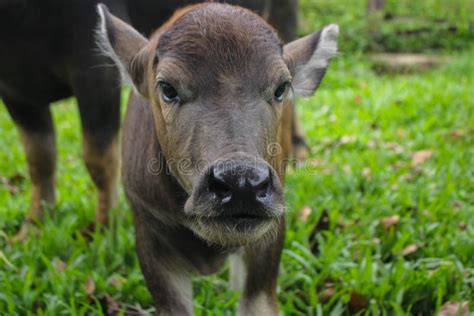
(204, 142)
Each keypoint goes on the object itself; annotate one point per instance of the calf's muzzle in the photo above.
(239, 197)
(237, 180)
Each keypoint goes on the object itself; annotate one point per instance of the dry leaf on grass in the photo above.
(408, 250)
(328, 291)
(12, 183)
(462, 225)
(457, 204)
(347, 169)
(371, 144)
(460, 133)
(315, 162)
(390, 221)
(395, 147)
(115, 308)
(357, 303)
(89, 286)
(110, 306)
(401, 133)
(13, 189)
(357, 99)
(452, 308)
(347, 139)
(419, 157)
(304, 213)
(427, 214)
(366, 172)
(59, 265)
(116, 281)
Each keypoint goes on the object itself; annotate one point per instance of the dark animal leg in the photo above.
(261, 266)
(168, 281)
(98, 94)
(102, 164)
(38, 138)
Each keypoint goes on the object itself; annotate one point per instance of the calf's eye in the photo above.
(168, 93)
(279, 94)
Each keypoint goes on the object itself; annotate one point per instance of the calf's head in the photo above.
(218, 80)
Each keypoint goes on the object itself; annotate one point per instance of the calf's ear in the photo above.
(308, 58)
(125, 46)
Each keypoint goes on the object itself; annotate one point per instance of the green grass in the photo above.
(363, 130)
(437, 24)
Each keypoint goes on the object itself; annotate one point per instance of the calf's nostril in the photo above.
(218, 186)
(263, 188)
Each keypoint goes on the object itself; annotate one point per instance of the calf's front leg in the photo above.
(261, 264)
(168, 281)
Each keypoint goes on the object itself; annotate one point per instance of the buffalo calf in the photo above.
(206, 133)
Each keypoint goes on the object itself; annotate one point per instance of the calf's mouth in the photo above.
(236, 202)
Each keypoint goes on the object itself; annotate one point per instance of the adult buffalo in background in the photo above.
(48, 53)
